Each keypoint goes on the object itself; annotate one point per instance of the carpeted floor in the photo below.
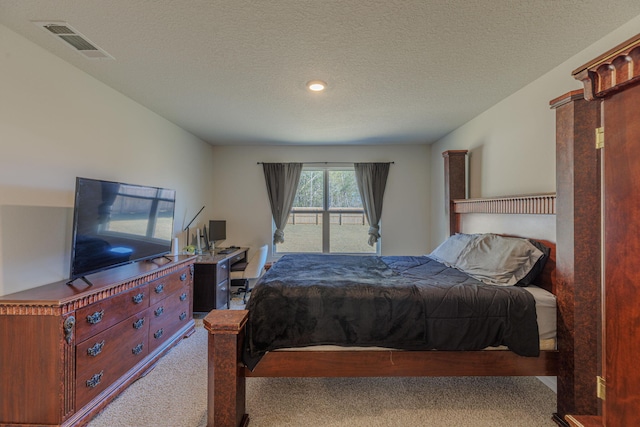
(174, 395)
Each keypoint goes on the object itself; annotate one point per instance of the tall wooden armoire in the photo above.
(614, 78)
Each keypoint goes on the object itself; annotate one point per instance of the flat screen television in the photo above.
(116, 223)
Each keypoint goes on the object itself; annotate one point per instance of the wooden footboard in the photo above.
(226, 375)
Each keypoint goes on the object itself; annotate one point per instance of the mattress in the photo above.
(545, 312)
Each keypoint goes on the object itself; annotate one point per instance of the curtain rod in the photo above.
(326, 163)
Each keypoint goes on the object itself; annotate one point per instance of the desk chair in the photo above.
(250, 272)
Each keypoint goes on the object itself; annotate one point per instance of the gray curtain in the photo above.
(372, 180)
(282, 183)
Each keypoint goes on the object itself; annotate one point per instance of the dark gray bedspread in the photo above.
(403, 302)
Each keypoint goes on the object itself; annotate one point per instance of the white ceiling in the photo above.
(398, 71)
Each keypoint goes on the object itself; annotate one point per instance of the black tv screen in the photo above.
(116, 223)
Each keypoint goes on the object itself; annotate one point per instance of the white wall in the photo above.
(512, 144)
(56, 123)
(240, 195)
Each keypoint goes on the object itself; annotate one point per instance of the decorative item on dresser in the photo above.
(613, 81)
(226, 392)
(68, 350)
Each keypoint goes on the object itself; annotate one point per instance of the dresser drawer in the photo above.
(236, 258)
(222, 271)
(103, 358)
(169, 316)
(222, 294)
(101, 315)
(166, 285)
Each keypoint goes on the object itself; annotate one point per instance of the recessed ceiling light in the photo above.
(316, 85)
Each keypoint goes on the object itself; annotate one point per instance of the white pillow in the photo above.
(498, 260)
(451, 249)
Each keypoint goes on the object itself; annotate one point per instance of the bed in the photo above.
(227, 353)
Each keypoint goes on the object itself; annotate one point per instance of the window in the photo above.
(327, 214)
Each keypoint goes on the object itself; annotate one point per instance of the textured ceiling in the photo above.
(398, 71)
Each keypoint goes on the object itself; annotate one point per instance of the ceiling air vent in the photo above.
(73, 39)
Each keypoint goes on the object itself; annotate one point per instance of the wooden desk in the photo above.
(211, 284)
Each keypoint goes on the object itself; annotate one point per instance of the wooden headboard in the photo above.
(538, 205)
(535, 204)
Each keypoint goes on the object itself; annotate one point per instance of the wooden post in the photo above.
(226, 380)
(455, 182)
(578, 253)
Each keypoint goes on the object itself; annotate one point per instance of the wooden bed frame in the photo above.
(227, 374)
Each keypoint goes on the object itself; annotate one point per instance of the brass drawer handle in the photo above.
(138, 323)
(95, 380)
(159, 311)
(137, 349)
(159, 289)
(183, 315)
(95, 317)
(96, 349)
(183, 277)
(68, 325)
(157, 334)
(137, 299)
(183, 296)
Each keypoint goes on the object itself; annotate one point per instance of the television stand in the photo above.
(83, 278)
(153, 260)
(71, 351)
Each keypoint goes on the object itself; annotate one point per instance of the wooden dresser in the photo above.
(67, 350)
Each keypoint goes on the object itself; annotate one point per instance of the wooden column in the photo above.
(578, 276)
(614, 78)
(455, 182)
(226, 381)
(621, 246)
